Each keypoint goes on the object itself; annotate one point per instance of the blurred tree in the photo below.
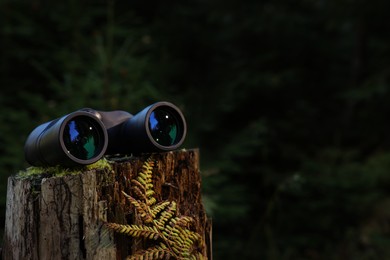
(60, 57)
(287, 101)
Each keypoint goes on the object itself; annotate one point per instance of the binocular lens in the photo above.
(163, 127)
(83, 138)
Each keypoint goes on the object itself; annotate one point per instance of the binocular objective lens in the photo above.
(82, 138)
(164, 127)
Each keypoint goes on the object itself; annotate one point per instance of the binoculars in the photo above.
(86, 135)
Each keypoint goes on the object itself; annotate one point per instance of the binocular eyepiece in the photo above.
(84, 136)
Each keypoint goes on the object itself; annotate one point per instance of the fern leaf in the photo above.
(166, 214)
(142, 209)
(199, 256)
(156, 252)
(143, 176)
(181, 238)
(148, 165)
(182, 221)
(149, 193)
(159, 207)
(135, 230)
(143, 184)
(135, 182)
(151, 201)
(141, 196)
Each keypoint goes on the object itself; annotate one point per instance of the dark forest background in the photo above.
(288, 101)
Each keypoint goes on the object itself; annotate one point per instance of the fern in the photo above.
(142, 208)
(159, 207)
(166, 215)
(156, 252)
(160, 222)
(135, 230)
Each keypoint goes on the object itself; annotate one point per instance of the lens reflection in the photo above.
(81, 138)
(163, 127)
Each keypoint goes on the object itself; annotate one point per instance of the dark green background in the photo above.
(288, 102)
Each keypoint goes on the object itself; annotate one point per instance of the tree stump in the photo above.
(51, 217)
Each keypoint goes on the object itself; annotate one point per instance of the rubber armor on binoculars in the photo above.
(85, 136)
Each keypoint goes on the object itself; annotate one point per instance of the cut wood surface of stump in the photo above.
(68, 215)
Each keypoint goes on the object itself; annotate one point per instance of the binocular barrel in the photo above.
(84, 136)
(158, 127)
(74, 139)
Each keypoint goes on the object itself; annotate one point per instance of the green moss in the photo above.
(100, 165)
(59, 171)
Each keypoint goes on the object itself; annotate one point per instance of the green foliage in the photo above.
(287, 100)
(160, 222)
(356, 191)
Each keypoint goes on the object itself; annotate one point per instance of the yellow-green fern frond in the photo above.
(145, 176)
(160, 222)
(151, 201)
(148, 166)
(142, 209)
(159, 207)
(156, 252)
(198, 256)
(166, 214)
(182, 221)
(139, 190)
(143, 183)
(135, 230)
(180, 237)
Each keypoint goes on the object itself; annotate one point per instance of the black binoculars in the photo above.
(86, 135)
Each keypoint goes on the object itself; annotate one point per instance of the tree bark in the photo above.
(50, 217)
